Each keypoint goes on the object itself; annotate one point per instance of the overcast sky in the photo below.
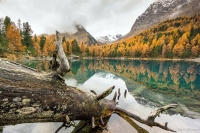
(99, 17)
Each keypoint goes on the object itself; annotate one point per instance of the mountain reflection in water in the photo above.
(149, 84)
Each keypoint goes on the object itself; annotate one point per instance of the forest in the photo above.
(175, 38)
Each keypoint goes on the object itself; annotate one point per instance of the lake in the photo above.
(150, 84)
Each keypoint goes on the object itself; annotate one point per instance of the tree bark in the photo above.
(27, 96)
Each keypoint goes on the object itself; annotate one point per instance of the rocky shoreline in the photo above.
(105, 58)
(158, 59)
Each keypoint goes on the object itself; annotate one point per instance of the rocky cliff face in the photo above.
(163, 10)
(81, 36)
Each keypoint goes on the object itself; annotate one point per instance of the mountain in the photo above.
(163, 10)
(108, 38)
(81, 35)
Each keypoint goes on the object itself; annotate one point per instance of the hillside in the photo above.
(175, 38)
(163, 10)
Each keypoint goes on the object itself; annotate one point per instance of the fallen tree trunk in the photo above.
(27, 96)
(36, 98)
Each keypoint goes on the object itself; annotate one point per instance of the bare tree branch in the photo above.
(151, 118)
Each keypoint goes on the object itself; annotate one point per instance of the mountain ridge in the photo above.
(81, 35)
(163, 10)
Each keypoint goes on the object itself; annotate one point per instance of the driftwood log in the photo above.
(27, 96)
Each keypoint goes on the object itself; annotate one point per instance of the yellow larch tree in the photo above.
(14, 39)
(64, 47)
(195, 50)
(145, 50)
(37, 48)
(178, 49)
(164, 49)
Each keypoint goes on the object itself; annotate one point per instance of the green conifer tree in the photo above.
(26, 35)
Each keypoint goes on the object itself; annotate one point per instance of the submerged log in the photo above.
(27, 96)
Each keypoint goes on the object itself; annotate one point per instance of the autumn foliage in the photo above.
(178, 38)
(14, 39)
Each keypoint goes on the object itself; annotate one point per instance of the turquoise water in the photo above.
(149, 83)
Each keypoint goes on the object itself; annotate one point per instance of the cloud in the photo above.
(99, 17)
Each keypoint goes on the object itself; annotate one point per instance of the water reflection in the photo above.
(154, 74)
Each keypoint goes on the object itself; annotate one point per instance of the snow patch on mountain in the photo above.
(108, 38)
(166, 3)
